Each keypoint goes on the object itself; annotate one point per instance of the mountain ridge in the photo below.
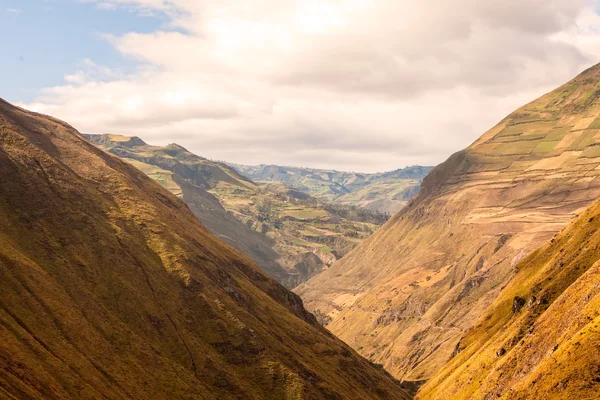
(385, 192)
(406, 295)
(191, 177)
(288, 233)
(112, 289)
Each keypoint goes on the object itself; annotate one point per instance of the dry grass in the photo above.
(552, 345)
(112, 289)
(478, 214)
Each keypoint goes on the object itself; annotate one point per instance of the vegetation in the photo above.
(445, 258)
(112, 289)
(290, 234)
(299, 224)
(541, 337)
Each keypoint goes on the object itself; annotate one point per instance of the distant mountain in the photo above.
(382, 192)
(288, 233)
(407, 295)
(191, 177)
(111, 289)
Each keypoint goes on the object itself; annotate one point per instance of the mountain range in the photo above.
(486, 285)
(290, 234)
(386, 192)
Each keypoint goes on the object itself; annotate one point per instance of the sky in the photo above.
(357, 85)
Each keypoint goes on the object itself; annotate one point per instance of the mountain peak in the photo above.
(121, 140)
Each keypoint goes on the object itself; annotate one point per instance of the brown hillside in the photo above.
(110, 289)
(405, 296)
(541, 338)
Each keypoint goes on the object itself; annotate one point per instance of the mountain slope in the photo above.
(289, 234)
(406, 295)
(111, 289)
(309, 235)
(541, 338)
(382, 192)
(191, 178)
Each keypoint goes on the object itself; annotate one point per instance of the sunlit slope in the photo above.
(111, 289)
(541, 337)
(405, 296)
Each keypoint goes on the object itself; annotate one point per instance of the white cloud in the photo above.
(352, 84)
(14, 11)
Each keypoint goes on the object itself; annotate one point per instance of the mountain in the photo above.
(407, 294)
(289, 234)
(541, 337)
(112, 289)
(191, 177)
(383, 192)
(309, 235)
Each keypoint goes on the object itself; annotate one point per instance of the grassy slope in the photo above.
(383, 192)
(191, 178)
(407, 294)
(111, 289)
(289, 234)
(553, 344)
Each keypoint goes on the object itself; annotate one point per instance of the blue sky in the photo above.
(364, 85)
(42, 40)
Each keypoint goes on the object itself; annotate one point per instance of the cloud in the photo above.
(355, 84)
(14, 11)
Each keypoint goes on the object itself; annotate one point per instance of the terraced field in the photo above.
(407, 294)
(298, 223)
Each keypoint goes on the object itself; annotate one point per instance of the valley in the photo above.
(290, 234)
(112, 289)
(407, 295)
(300, 200)
(484, 285)
(451, 281)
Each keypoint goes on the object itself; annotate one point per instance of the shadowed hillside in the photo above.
(112, 289)
(406, 296)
